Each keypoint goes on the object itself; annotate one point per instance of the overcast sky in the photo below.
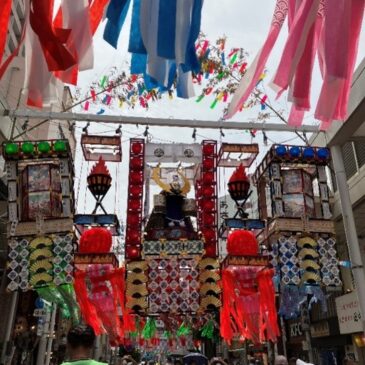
(245, 23)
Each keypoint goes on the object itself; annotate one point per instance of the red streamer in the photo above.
(5, 9)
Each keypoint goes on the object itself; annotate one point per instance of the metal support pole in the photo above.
(350, 227)
(9, 324)
(51, 334)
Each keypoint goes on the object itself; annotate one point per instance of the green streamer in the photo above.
(149, 329)
(183, 330)
(213, 105)
(207, 330)
(233, 59)
(103, 81)
(220, 75)
(200, 98)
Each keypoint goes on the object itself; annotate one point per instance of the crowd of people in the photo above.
(81, 340)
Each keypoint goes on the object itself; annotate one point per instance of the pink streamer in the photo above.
(249, 80)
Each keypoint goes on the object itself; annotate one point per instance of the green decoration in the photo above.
(103, 81)
(149, 329)
(200, 98)
(60, 146)
(183, 330)
(220, 75)
(207, 330)
(44, 147)
(28, 148)
(213, 105)
(11, 148)
(233, 59)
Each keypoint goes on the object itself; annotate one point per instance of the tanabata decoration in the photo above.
(239, 184)
(314, 27)
(100, 288)
(249, 309)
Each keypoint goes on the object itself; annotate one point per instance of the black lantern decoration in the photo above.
(239, 189)
(99, 182)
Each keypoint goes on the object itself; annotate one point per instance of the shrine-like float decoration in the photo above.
(40, 228)
(99, 281)
(300, 234)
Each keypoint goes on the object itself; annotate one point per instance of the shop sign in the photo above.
(320, 329)
(295, 329)
(348, 313)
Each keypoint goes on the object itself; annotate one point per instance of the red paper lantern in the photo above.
(208, 164)
(134, 204)
(242, 243)
(137, 148)
(208, 149)
(135, 190)
(208, 178)
(95, 240)
(208, 205)
(210, 250)
(136, 163)
(208, 191)
(136, 178)
(133, 252)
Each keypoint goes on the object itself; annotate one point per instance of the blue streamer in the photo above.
(116, 14)
(135, 37)
(191, 59)
(166, 29)
(101, 111)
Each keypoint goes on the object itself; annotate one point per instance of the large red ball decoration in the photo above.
(133, 252)
(136, 178)
(134, 204)
(242, 243)
(133, 219)
(137, 148)
(208, 149)
(208, 163)
(95, 240)
(135, 190)
(210, 250)
(208, 178)
(136, 163)
(208, 205)
(208, 191)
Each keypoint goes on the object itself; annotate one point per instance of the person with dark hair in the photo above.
(80, 343)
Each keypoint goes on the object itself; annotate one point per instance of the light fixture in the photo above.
(145, 133)
(193, 136)
(84, 130)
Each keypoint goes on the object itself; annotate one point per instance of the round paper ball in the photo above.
(323, 153)
(27, 148)
(133, 252)
(136, 178)
(208, 205)
(308, 152)
(134, 204)
(95, 240)
(208, 191)
(208, 149)
(294, 151)
(11, 148)
(208, 178)
(208, 219)
(136, 163)
(209, 235)
(135, 190)
(280, 150)
(44, 147)
(242, 243)
(60, 146)
(134, 237)
(137, 148)
(133, 219)
(210, 250)
(208, 164)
